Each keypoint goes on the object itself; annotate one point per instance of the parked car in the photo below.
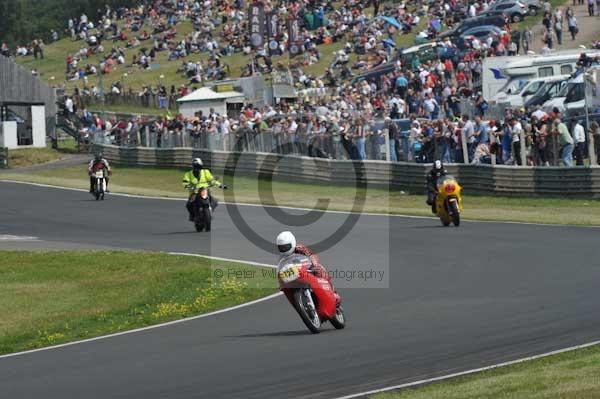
(533, 6)
(514, 10)
(482, 32)
(496, 20)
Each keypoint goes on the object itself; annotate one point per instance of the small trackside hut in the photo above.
(27, 107)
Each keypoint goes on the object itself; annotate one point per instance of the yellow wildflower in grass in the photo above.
(47, 339)
(206, 298)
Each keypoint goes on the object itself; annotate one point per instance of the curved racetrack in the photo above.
(457, 299)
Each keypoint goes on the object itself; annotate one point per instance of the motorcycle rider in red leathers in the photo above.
(286, 243)
(96, 164)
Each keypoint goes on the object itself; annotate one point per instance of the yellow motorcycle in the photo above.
(449, 201)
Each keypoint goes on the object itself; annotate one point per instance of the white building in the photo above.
(25, 103)
(22, 125)
(204, 99)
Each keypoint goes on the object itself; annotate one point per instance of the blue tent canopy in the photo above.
(389, 42)
(392, 21)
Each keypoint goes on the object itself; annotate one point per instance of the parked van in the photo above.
(587, 84)
(519, 91)
(574, 90)
(548, 90)
(500, 73)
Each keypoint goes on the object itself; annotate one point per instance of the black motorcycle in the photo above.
(203, 206)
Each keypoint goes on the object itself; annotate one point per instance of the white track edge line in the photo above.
(224, 259)
(468, 372)
(169, 323)
(395, 215)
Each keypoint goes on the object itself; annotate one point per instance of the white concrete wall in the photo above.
(38, 125)
(8, 135)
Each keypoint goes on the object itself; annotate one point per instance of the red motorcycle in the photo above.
(311, 296)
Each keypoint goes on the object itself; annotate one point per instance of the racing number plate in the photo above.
(289, 274)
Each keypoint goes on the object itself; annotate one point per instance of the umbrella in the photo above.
(436, 24)
(392, 21)
(389, 42)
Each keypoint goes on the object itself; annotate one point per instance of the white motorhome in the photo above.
(502, 73)
(521, 90)
(492, 77)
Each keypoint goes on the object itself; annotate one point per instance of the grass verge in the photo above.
(32, 156)
(166, 182)
(24, 157)
(567, 375)
(56, 297)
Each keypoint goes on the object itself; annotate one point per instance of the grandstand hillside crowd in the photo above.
(349, 117)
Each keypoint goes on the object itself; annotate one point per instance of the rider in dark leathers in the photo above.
(432, 183)
(98, 163)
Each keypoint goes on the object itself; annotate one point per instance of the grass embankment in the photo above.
(567, 375)
(32, 156)
(166, 182)
(52, 67)
(56, 297)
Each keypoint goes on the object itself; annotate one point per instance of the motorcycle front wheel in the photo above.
(339, 320)
(307, 310)
(199, 220)
(207, 218)
(455, 213)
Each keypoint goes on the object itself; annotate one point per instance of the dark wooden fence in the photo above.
(17, 84)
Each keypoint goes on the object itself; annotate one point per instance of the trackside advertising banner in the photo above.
(294, 36)
(256, 14)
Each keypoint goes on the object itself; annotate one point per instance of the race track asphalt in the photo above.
(458, 298)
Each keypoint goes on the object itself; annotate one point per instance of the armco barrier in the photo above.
(580, 182)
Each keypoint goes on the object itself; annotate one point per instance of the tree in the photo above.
(21, 21)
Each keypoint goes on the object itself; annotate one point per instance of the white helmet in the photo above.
(286, 243)
(197, 163)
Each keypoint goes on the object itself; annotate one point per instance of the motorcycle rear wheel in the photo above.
(309, 316)
(339, 320)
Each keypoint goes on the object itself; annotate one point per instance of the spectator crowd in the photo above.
(356, 110)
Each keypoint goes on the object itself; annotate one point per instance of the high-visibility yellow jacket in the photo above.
(205, 180)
